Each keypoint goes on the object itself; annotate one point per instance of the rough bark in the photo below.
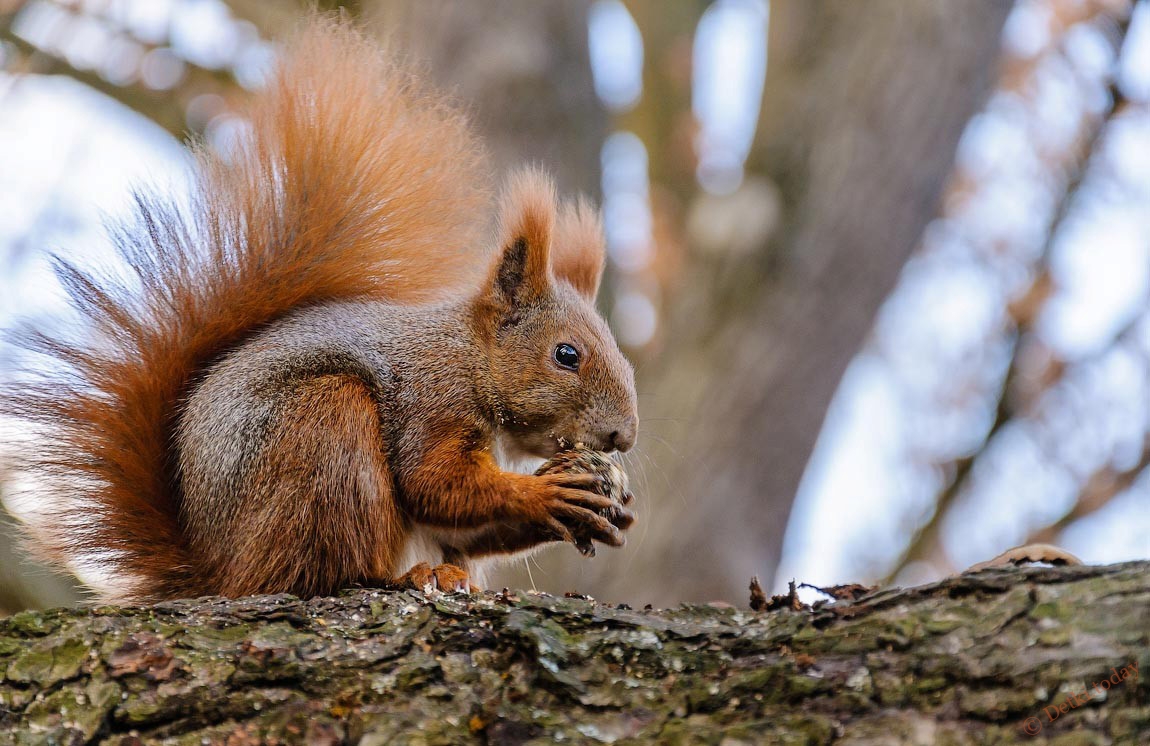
(966, 660)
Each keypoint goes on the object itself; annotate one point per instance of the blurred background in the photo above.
(883, 267)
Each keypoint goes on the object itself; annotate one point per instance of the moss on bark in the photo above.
(967, 660)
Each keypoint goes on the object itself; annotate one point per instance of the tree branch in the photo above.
(167, 108)
(1102, 487)
(379, 667)
(1024, 313)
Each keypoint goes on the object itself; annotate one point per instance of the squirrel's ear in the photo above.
(580, 248)
(527, 218)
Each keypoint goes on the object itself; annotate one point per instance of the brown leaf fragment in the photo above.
(804, 662)
(789, 600)
(758, 598)
(846, 592)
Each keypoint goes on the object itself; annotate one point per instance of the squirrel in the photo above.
(319, 369)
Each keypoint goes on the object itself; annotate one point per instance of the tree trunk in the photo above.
(522, 69)
(862, 114)
(968, 660)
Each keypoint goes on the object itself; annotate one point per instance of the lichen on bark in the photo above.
(966, 660)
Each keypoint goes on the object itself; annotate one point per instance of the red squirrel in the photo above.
(317, 371)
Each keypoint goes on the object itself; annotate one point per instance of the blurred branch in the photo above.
(1095, 493)
(1023, 312)
(1102, 487)
(1107, 482)
(166, 108)
(863, 107)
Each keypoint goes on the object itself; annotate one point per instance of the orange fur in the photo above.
(580, 247)
(354, 182)
(527, 219)
(185, 461)
(322, 486)
(566, 240)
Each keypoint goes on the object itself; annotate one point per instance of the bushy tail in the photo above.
(352, 181)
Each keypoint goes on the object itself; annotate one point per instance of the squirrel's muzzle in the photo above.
(622, 438)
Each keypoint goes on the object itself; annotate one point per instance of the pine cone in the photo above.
(613, 481)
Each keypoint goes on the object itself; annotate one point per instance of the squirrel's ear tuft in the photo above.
(527, 219)
(580, 247)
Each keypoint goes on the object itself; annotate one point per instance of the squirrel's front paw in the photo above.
(586, 493)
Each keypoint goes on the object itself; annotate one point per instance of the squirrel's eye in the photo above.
(567, 356)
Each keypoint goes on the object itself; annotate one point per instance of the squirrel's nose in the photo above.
(623, 438)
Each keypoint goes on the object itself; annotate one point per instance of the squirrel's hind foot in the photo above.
(424, 577)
